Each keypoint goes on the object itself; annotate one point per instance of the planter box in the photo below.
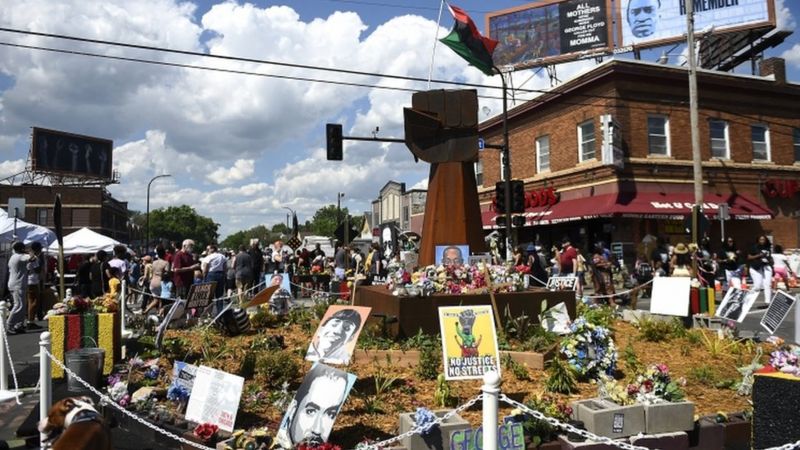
(669, 417)
(410, 358)
(605, 418)
(566, 444)
(663, 441)
(438, 438)
(738, 432)
(707, 434)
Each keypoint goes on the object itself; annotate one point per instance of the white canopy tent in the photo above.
(25, 232)
(85, 241)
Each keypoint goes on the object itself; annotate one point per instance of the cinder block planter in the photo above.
(706, 321)
(605, 418)
(438, 438)
(738, 432)
(664, 441)
(566, 444)
(707, 434)
(669, 417)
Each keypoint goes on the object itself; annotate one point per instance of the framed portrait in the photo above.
(455, 254)
(335, 338)
(736, 304)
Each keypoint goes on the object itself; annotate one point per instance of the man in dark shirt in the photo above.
(183, 267)
(98, 274)
(258, 262)
(660, 258)
(243, 266)
(84, 277)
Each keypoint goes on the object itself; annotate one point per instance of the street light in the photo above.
(287, 217)
(339, 196)
(147, 224)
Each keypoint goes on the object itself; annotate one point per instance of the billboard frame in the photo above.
(565, 57)
(770, 22)
(36, 167)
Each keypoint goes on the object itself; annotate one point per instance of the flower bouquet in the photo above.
(589, 349)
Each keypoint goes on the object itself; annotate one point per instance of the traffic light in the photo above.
(517, 196)
(500, 195)
(333, 134)
(518, 221)
(500, 221)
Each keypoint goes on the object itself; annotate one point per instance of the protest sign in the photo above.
(510, 436)
(469, 341)
(778, 309)
(736, 304)
(200, 295)
(559, 283)
(215, 398)
(670, 296)
(335, 338)
(183, 374)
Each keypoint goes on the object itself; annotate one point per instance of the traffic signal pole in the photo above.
(506, 169)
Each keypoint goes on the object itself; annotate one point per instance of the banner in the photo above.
(469, 341)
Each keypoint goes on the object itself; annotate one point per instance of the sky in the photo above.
(242, 148)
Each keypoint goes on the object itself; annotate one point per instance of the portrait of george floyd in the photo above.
(335, 338)
(313, 410)
(736, 304)
(449, 255)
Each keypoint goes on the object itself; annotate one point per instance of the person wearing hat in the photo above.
(681, 261)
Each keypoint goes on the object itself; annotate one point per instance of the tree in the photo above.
(177, 223)
(325, 220)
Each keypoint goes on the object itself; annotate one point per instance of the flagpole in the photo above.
(435, 40)
(506, 167)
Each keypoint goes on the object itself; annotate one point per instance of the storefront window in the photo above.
(479, 172)
(796, 133)
(586, 141)
(542, 154)
(658, 135)
(760, 137)
(719, 139)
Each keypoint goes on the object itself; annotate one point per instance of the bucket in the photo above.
(87, 363)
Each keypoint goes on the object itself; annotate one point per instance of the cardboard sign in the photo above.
(262, 296)
(736, 304)
(215, 398)
(469, 341)
(200, 295)
(510, 436)
(335, 338)
(183, 374)
(778, 309)
(670, 296)
(559, 283)
(162, 327)
(556, 319)
(316, 404)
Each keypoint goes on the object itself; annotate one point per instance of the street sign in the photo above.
(702, 224)
(724, 211)
(481, 144)
(16, 207)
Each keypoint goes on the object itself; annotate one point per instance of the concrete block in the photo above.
(438, 438)
(663, 441)
(605, 418)
(669, 417)
(566, 444)
(738, 432)
(707, 434)
(706, 321)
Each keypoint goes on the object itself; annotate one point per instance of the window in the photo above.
(479, 172)
(760, 137)
(44, 217)
(796, 140)
(80, 217)
(658, 135)
(718, 129)
(542, 154)
(406, 217)
(586, 141)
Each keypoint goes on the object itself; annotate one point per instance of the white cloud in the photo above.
(12, 167)
(242, 169)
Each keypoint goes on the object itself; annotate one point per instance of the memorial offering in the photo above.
(670, 296)
(215, 398)
(335, 339)
(589, 349)
(777, 311)
(559, 283)
(736, 304)
(469, 341)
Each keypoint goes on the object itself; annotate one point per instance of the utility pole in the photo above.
(697, 165)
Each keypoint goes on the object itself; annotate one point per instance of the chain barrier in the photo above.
(789, 446)
(10, 359)
(636, 288)
(174, 299)
(314, 291)
(569, 428)
(108, 400)
(421, 429)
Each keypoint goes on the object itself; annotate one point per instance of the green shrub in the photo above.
(276, 368)
(247, 368)
(540, 340)
(632, 360)
(704, 374)
(520, 371)
(560, 377)
(430, 358)
(655, 330)
(597, 314)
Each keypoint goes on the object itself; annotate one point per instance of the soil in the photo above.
(367, 415)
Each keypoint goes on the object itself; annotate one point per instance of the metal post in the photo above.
(491, 393)
(797, 319)
(147, 223)
(506, 170)
(45, 383)
(122, 306)
(3, 357)
(697, 165)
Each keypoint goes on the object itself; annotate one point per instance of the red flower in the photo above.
(523, 269)
(205, 431)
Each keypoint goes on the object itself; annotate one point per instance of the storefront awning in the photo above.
(642, 205)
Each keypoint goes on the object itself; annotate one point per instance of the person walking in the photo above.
(17, 287)
(35, 272)
(159, 278)
(759, 259)
(730, 259)
(214, 269)
(183, 267)
(243, 266)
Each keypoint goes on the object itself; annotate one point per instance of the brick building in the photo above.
(621, 183)
(91, 207)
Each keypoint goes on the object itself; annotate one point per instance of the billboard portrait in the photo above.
(316, 404)
(646, 23)
(541, 32)
(71, 154)
(335, 338)
(469, 341)
(449, 255)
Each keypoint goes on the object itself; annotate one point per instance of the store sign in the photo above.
(683, 206)
(536, 197)
(780, 188)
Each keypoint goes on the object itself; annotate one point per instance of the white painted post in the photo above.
(3, 357)
(491, 393)
(122, 306)
(45, 383)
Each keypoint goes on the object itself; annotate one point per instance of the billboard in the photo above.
(71, 154)
(546, 32)
(648, 23)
